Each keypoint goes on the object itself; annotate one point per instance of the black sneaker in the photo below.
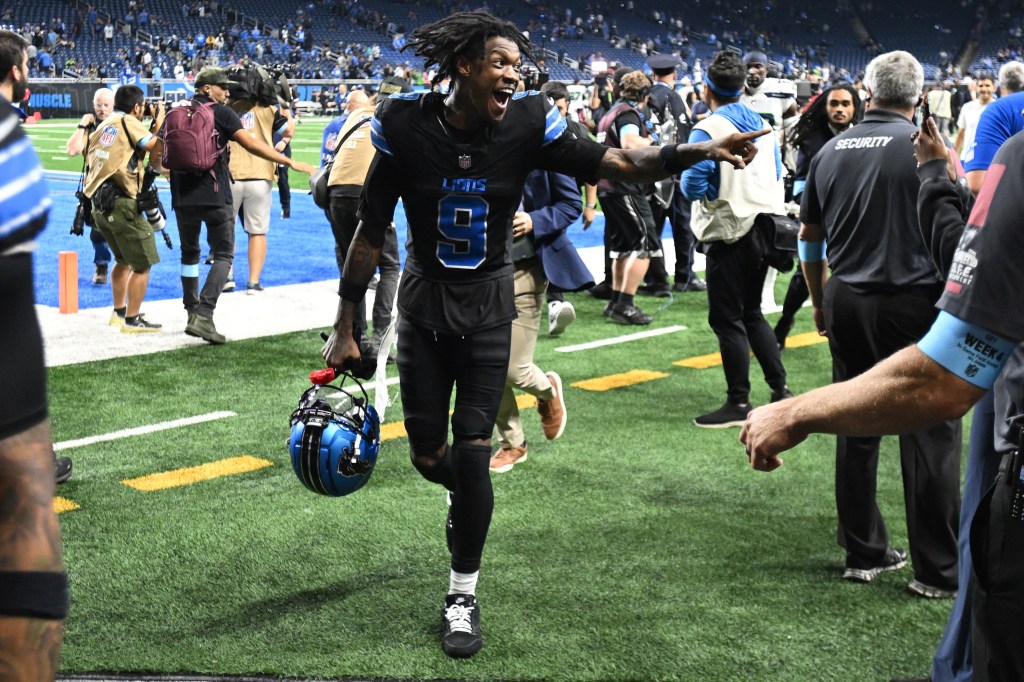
(729, 414)
(629, 314)
(139, 325)
(607, 308)
(656, 290)
(62, 468)
(460, 626)
(781, 395)
(696, 285)
(286, 212)
(602, 291)
(894, 559)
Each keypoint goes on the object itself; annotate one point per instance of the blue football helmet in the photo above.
(335, 437)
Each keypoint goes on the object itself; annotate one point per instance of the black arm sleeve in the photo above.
(942, 209)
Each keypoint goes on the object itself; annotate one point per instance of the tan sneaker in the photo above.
(552, 412)
(505, 458)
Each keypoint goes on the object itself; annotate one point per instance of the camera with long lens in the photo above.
(83, 214)
(149, 205)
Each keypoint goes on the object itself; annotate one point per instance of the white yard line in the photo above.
(142, 430)
(621, 339)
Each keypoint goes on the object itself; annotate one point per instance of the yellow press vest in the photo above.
(258, 122)
(352, 160)
(113, 153)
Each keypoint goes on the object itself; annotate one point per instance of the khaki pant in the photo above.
(530, 286)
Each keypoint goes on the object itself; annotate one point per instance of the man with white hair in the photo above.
(1000, 121)
(103, 106)
(861, 196)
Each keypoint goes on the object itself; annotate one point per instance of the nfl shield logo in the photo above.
(465, 161)
(108, 136)
(248, 120)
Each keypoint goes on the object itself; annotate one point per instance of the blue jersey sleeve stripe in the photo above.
(378, 139)
(969, 351)
(554, 128)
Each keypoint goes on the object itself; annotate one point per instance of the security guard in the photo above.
(113, 179)
(674, 118)
(861, 195)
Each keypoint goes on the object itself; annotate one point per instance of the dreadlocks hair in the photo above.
(462, 33)
(815, 118)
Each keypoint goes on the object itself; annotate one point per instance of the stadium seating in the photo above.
(794, 34)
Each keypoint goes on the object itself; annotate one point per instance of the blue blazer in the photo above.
(553, 202)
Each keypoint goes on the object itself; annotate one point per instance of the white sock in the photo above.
(462, 583)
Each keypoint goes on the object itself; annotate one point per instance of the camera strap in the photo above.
(135, 152)
(85, 158)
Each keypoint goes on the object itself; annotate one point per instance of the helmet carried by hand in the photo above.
(335, 436)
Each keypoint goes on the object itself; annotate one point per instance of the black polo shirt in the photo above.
(199, 189)
(862, 188)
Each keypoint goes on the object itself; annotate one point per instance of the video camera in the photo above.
(150, 206)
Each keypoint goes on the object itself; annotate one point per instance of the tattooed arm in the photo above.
(341, 350)
(647, 164)
(29, 541)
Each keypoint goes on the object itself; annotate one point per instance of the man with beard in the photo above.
(830, 114)
(33, 584)
(775, 100)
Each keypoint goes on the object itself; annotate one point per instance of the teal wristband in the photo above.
(811, 252)
(973, 353)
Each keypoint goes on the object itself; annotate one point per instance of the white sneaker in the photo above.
(560, 315)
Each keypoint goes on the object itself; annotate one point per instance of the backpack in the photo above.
(190, 138)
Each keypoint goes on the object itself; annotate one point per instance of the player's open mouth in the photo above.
(502, 97)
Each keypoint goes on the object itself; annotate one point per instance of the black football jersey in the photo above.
(460, 191)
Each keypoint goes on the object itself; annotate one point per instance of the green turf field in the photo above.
(636, 547)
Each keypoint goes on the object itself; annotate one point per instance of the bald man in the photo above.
(102, 105)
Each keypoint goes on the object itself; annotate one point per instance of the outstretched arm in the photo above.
(654, 163)
(904, 393)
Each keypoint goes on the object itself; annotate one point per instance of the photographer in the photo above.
(114, 179)
(102, 105)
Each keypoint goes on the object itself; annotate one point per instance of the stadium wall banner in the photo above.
(66, 100)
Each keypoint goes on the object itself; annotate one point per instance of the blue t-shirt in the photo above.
(1001, 120)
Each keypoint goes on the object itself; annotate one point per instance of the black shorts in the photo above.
(23, 398)
(627, 222)
(430, 365)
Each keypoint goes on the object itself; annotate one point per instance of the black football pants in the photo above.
(862, 330)
(735, 276)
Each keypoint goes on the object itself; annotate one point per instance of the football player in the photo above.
(459, 162)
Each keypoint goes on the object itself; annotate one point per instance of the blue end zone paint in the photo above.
(299, 250)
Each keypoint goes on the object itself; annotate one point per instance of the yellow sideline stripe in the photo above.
(805, 339)
(715, 359)
(634, 376)
(203, 472)
(61, 504)
(701, 361)
(392, 430)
